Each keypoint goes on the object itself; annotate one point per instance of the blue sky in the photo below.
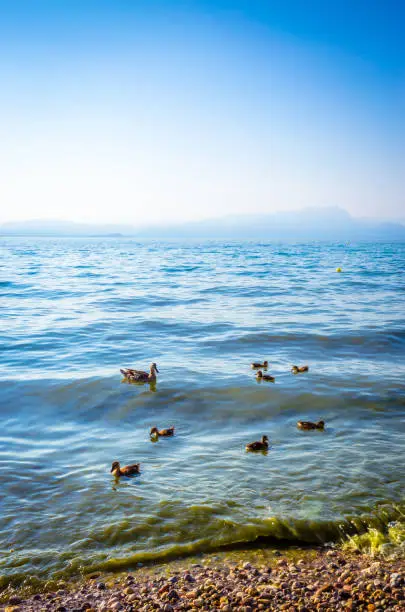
(146, 111)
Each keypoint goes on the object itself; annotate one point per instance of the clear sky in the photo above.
(158, 111)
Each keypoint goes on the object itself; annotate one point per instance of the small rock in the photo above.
(14, 600)
(198, 603)
(101, 586)
(395, 580)
(129, 591)
(323, 589)
(133, 597)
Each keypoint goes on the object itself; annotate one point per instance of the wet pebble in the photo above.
(14, 600)
(310, 584)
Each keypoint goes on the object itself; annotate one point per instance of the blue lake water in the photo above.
(74, 311)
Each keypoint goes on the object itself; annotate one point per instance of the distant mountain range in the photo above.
(329, 223)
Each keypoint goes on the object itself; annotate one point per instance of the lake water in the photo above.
(74, 311)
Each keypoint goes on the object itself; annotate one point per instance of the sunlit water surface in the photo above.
(73, 311)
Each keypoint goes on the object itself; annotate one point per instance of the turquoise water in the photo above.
(74, 311)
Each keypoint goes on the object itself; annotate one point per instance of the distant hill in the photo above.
(331, 223)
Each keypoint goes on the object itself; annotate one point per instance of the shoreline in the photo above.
(293, 579)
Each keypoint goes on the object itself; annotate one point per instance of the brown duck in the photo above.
(139, 375)
(299, 369)
(257, 364)
(127, 470)
(267, 377)
(309, 425)
(261, 445)
(164, 433)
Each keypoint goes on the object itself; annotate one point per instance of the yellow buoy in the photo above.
(338, 269)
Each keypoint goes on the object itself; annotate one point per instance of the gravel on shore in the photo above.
(329, 580)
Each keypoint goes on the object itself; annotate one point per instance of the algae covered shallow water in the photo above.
(73, 311)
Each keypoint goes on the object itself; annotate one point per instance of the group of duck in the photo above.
(140, 376)
(263, 444)
(130, 470)
(267, 377)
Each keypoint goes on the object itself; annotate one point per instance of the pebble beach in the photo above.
(310, 580)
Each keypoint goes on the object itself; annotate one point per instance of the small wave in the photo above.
(143, 302)
(181, 269)
(367, 340)
(89, 275)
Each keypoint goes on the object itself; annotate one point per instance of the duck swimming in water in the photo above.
(164, 433)
(139, 375)
(127, 470)
(263, 445)
(257, 364)
(309, 425)
(267, 377)
(299, 369)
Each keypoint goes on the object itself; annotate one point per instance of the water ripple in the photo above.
(74, 311)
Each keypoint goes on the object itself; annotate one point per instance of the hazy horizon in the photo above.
(306, 224)
(161, 112)
(328, 210)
